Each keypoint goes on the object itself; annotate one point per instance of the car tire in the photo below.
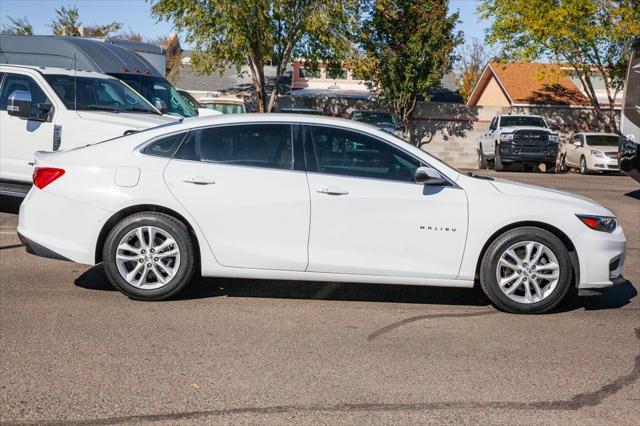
(482, 159)
(550, 167)
(584, 169)
(520, 295)
(563, 164)
(155, 249)
(498, 162)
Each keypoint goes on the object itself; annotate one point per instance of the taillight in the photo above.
(43, 176)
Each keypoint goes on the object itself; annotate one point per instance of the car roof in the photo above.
(58, 71)
(277, 117)
(77, 52)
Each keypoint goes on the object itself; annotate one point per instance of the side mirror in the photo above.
(161, 106)
(428, 176)
(578, 143)
(19, 104)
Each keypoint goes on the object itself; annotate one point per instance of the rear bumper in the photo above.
(58, 227)
(39, 250)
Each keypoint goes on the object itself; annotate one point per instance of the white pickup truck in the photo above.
(47, 109)
(525, 139)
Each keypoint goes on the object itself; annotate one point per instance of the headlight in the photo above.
(554, 138)
(505, 137)
(597, 154)
(599, 223)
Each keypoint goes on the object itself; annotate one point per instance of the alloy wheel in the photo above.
(528, 272)
(148, 257)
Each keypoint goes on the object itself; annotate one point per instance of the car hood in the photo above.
(134, 121)
(514, 128)
(587, 205)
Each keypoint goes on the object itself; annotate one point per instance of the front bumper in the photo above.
(604, 164)
(601, 256)
(514, 153)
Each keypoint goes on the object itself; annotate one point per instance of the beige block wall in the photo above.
(452, 131)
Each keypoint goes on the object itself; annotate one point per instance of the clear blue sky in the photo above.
(134, 15)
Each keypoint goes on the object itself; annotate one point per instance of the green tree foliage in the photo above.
(408, 46)
(254, 33)
(592, 36)
(18, 26)
(67, 23)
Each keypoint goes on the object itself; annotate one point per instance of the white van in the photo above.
(47, 109)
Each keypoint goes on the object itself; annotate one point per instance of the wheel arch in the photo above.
(573, 254)
(139, 208)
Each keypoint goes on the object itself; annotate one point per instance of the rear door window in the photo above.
(252, 145)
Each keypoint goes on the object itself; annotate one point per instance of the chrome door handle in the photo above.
(198, 180)
(332, 190)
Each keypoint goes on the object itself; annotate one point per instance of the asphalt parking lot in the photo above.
(265, 352)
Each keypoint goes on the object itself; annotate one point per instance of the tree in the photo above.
(408, 46)
(18, 26)
(253, 33)
(592, 36)
(67, 23)
(471, 61)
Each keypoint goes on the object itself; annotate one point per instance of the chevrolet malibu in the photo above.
(301, 197)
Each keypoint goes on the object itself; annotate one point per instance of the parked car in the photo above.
(224, 104)
(202, 112)
(302, 197)
(98, 56)
(518, 139)
(386, 121)
(51, 108)
(629, 151)
(590, 152)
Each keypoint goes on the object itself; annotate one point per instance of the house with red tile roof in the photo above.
(526, 84)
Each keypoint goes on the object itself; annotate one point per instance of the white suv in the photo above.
(52, 108)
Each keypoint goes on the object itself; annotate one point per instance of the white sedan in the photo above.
(303, 197)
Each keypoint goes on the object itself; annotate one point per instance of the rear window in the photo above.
(165, 147)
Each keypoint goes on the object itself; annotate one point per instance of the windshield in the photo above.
(603, 140)
(159, 92)
(225, 108)
(376, 118)
(515, 121)
(93, 93)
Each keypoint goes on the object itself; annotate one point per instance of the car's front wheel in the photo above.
(583, 166)
(526, 270)
(149, 256)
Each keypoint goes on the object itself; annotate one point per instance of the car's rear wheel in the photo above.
(526, 270)
(149, 256)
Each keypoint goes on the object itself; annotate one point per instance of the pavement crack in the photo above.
(578, 401)
(410, 320)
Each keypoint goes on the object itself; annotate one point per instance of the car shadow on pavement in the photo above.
(202, 288)
(10, 204)
(634, 194)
